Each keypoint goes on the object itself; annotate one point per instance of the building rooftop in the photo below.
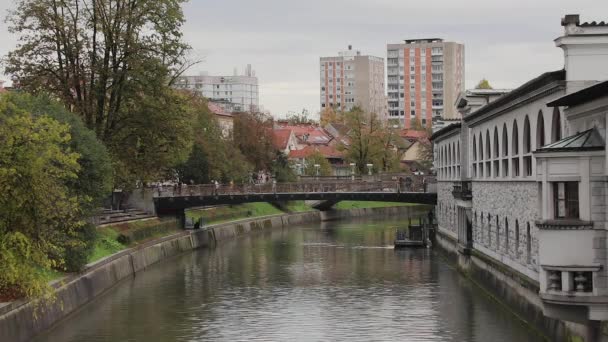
(589, 140)
(585, 95)
(423, 40)
(523, 90)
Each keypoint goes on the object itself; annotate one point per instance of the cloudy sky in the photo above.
(507, 42)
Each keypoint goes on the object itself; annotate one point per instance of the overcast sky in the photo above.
(507, 42)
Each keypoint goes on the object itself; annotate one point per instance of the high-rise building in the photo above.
(351, 79)
(237, 93)
(425, 76)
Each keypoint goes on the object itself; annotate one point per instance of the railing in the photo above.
(569, 282)
(283, 188)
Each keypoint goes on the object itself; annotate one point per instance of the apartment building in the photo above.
(239, 91)
(351, 79)
(425, 76)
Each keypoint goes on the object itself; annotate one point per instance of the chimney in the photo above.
(585, 48)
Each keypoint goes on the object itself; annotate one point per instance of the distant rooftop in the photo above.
(423, 40)
(575, 19)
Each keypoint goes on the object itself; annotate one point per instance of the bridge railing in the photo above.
(299, 187)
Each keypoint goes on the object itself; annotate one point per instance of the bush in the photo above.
(76, 256)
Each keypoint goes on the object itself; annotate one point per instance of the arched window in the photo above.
(556, 126)
(515, 139)
(497, 235)
(505, 141)
(474, 149)
(527, 137)
(496, 147)
(527, 148)
(488, 154)
(505, 151)
(507, 236)
(480, 156)
(516, 239)
(496, 152)
(488, 145)
(480, 147)
(489, 229)
(540, 130)
(515, 150)
(528, 244)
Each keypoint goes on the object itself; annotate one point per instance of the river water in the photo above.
(338, 281)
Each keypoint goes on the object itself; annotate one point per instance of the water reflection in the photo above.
(334, 281)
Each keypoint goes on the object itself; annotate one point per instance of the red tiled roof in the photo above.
(280, 138)
(316, 134)
(217, 109)
(326, 151)
(413, 134)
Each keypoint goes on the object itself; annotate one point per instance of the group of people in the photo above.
(260, 177)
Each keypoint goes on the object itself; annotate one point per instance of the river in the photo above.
(336, 281)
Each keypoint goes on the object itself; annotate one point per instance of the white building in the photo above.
(241, 91)
(522, 181)
(351, 79)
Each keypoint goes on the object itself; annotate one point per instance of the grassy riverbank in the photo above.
(345, 205)
(114, 238)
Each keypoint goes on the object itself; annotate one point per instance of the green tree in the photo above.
(253, 137)
(111, 62)
(317, 158)
(483, 84)
(365, 137)
(40, 216)
(300, 119)
(281, 168)
(94, 181)
(212, 157)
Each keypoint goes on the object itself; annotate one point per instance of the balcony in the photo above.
(463, 190)
(572, 285)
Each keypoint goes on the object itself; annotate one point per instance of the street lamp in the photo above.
(352, 171)
(369, 169)
(317, 167)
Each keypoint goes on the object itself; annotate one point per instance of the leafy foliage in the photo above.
(94, 181)
(253, 137)
(111, 62)
(483, 84)
(300, 119)
(282, 170)
(317, 159)
(39, 213)
(369, 142)
(212, 157)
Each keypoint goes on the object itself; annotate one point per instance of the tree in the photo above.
(425, 155)
(111, 62)
(316, 158)
(365, 138)
(212, 156)
(253, 137)
(94, 181)
(40, 217)
(483, 84)
(281, 168)
(300, 119)
(329, 115)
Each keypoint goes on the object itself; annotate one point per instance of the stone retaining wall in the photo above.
(16, 318)
(517, 292)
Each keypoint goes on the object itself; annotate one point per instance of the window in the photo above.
(507, 236)
(540, 130)
(528, 244)
(516, 239)
(565, 200)
(497, 235)
(556, 126)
